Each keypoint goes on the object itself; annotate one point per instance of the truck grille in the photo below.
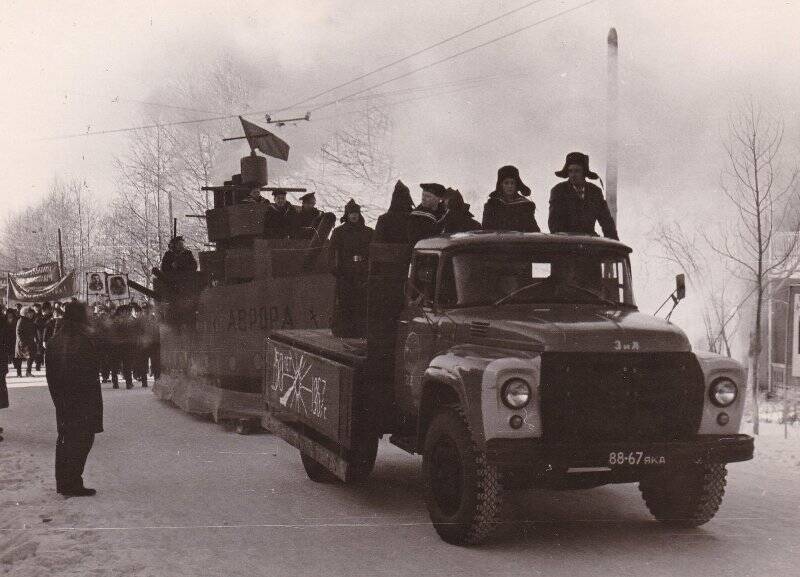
(621, 396)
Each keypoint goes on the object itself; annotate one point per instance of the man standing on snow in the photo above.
(72, 376)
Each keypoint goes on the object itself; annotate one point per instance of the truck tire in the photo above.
(687, 497)
(362, 460)
(317, 472)
(463, 491)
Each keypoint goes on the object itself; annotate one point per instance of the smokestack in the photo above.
(613, 136)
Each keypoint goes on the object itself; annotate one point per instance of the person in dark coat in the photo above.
(42, 318)
(7, 342)
(349, 254)
(25, 349)
(72, 369)
(178, 259)
(307, 219)
(137, 327)
(423, 222)
(151, 342)
(124, 344)
(392, 226)
(508, 207)
(576, 205)
(280, 216)
(457, 217)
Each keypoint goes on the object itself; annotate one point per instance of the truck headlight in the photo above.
(723, 392)
(515, 393)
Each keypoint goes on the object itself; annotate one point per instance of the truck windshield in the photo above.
(579, 275)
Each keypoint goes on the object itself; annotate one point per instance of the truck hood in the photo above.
(586, 328)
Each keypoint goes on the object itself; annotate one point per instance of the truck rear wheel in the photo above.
(686, 497)
(317, 472)
(463, 491)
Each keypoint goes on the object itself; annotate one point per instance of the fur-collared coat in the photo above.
(517, 214)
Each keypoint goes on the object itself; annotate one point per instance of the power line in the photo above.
(457, 54)
(331, 102)
(116, 99)
(410, 56)
(143, 127)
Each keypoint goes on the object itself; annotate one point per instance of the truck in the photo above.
(511, 360)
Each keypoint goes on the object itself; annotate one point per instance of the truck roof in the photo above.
(484, 237)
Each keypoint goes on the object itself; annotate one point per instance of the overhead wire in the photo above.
(410, 56)
(456, 55)
(340, 99)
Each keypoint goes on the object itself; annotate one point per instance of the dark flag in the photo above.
(265, 141)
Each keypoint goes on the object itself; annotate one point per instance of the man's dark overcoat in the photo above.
(350, 264)
(575, 212)
(72, 377)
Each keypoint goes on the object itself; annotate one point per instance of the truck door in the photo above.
(417, 330)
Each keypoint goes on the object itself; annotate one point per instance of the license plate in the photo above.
(635, 458)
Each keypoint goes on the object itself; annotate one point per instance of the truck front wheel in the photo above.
(462, 490)
(686, 497)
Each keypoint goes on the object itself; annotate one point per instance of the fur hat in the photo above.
(580, 159)
(434, 188)
(350, 207)
(511, 172)
(174, 240)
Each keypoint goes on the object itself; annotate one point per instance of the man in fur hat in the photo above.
(508, 207)
(423, 222)
(306, 219)
(349, 254)
(280, 216)
(392, 226)
(576, 205)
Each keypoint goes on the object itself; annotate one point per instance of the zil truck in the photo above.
(511, 360)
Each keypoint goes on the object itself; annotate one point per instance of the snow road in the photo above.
(181, 496)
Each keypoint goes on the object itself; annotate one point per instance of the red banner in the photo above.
(60, 289)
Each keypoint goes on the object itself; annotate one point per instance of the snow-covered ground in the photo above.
(181, 496)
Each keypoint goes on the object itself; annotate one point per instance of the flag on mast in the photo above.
(263, 140)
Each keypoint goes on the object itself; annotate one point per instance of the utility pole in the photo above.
(60, 255)
(612, 121)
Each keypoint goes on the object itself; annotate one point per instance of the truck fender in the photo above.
(455, 377)
(715, 366)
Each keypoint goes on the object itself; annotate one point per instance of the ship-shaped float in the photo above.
(215, 324)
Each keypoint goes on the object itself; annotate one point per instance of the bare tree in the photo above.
(712, 282)
(356, 162)
(30, 236)
(764, 195)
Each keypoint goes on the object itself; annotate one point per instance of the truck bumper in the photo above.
(539, 455)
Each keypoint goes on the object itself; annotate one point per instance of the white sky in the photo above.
(683, 64)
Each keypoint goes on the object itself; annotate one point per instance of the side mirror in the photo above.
(680, 286)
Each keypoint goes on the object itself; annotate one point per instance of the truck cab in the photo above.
(516, 360)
